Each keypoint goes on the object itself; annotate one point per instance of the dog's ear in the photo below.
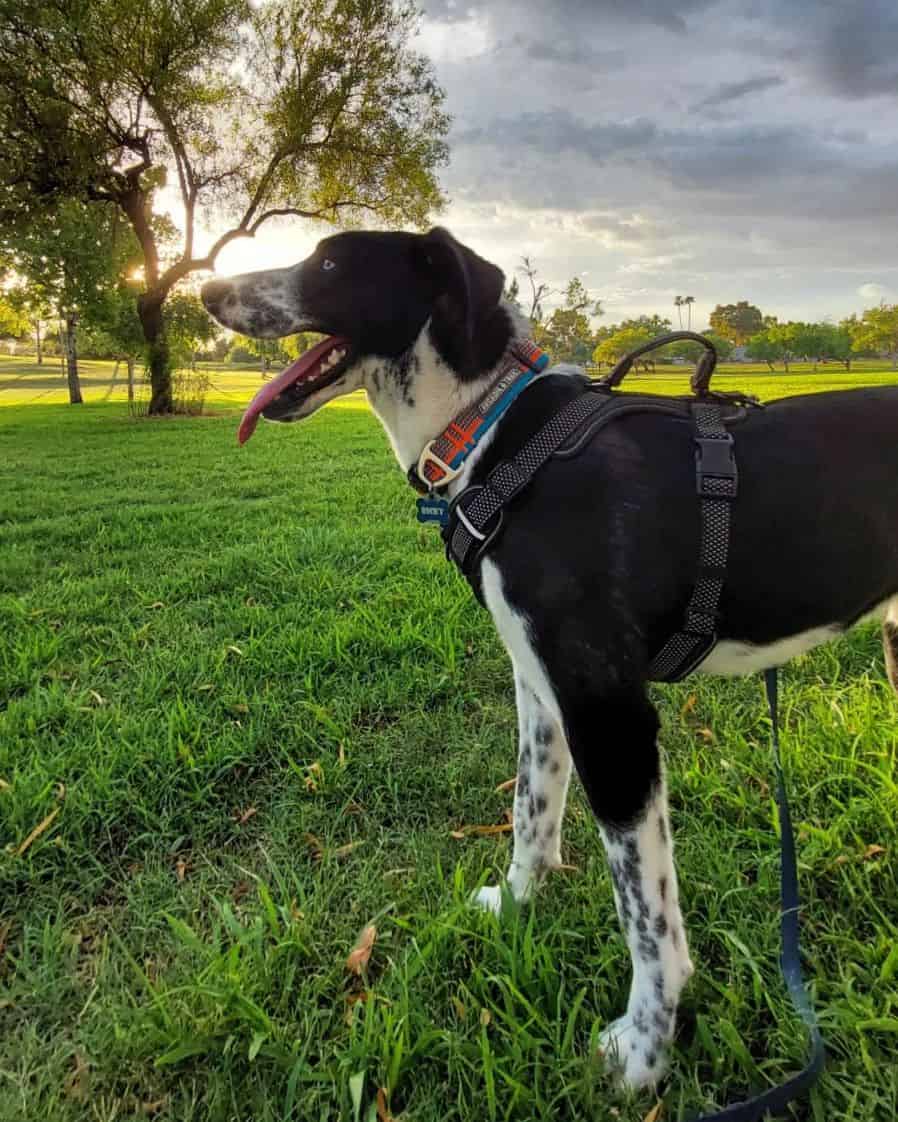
(466, 290)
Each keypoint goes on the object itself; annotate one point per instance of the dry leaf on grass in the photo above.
(508, 784)
(655, 1113)
(4, 786)
(182, 867)
(316, 846)
(705, 734)
(100, 700)
(481, 831)
(231, 649)
(151, 1108)
(239, 890)
(361, 952)
(344, 850)
(76, 1082)
(688, 705)
(873, 851)
(37, 831)
(241, 817)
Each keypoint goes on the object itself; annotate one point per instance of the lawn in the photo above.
(252, 706)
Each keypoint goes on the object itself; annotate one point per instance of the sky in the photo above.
(728, 150)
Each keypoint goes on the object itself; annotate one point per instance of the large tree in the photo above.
(736, 322)
(567, 334)
(316, 108)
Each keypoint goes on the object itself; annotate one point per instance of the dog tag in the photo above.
(433, 509)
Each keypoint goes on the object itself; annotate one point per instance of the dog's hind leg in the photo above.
(544, 769)
(625, 785)
(890, 642)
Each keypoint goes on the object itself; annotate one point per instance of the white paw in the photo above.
(634, 1051)
(489, 899)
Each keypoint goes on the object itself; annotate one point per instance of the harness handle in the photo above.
(703, 370)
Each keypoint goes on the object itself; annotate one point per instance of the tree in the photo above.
(691, 351)
(877, 330)
(762, 348)
(736, 322)
(538, 291)
(314, 108)
(68, 256)
(567, 334)
(13, 323)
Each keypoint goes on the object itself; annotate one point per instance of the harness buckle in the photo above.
(716, 474)
(446, 472)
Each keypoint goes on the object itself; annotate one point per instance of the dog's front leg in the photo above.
(544, 769)
(626, 788)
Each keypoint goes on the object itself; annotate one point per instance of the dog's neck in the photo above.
(417, 395)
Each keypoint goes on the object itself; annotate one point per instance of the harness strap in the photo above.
(774, 1100)
(717, 483)
(473, 520)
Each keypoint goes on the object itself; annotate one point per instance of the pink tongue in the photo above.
(304, 369)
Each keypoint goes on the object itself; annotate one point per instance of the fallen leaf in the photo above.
(457, 834)
(314, 775)
(97, 697)
(841, 859)
(688, 705)
(76, 1083)
(239, 890)
(153, 1107)
(37, 831)
(565, 869)
(316, 846)
(361, 952)
(205, 686)
(872, 851)
(508, 785)
(459, 1006)
(344, 850)
(4, 786)
(182, 867)
(655, 1113)
(705, 735)
(341, 754)
(383, 1114)
(157, 604)
(508, 814)
(484, 831)
(243, 816)
(485, 1016)
(234, 650)
(240, 707)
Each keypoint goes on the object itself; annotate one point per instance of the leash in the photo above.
(774, 1100)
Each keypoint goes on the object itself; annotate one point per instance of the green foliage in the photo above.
(619, 339)
(567, 334)
(13, 321)
(188, 326)
(736, 322)
(877, 331)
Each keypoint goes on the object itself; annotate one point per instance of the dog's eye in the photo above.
(327, 265)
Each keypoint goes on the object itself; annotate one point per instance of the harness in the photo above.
(473, 521)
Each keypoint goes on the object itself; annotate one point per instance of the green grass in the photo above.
(189, 633)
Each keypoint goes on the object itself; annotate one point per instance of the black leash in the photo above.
(774, 1100)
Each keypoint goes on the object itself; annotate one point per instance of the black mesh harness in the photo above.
(477, 514)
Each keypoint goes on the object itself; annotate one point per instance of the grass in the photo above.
(252, 702)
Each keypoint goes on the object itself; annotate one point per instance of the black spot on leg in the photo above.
(651, 1059)
(662, 889)
(555, 767)
(523, 788)
(675, 937)
(541, 804)
(531, 807)
(550, 830)
(660, 926)
(662, 829)
(543, 734)
(648, 948)
(542, 758)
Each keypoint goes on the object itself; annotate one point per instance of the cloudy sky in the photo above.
(725, 150)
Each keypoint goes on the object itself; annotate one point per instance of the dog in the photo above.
(598, 559)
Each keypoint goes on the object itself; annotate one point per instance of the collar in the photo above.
(443, 458)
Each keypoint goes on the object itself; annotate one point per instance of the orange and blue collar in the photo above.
(443, 459)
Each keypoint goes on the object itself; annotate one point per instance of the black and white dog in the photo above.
(598, 558)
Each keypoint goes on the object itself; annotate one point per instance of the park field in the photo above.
(247, 710)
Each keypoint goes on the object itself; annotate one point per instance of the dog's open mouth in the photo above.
(280, 397)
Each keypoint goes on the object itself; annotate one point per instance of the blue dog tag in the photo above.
(433, 509)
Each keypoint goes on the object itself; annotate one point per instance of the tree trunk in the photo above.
(770, 366)
(149, 309)
(71, 357)
(130, 361)
(847, 363)
(39, 343)
(785, 364)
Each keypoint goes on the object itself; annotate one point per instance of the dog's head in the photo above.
(371, 294)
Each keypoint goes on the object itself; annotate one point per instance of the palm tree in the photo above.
(678, 304)
(688, 301)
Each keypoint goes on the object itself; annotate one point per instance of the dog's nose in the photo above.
(213, 292)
